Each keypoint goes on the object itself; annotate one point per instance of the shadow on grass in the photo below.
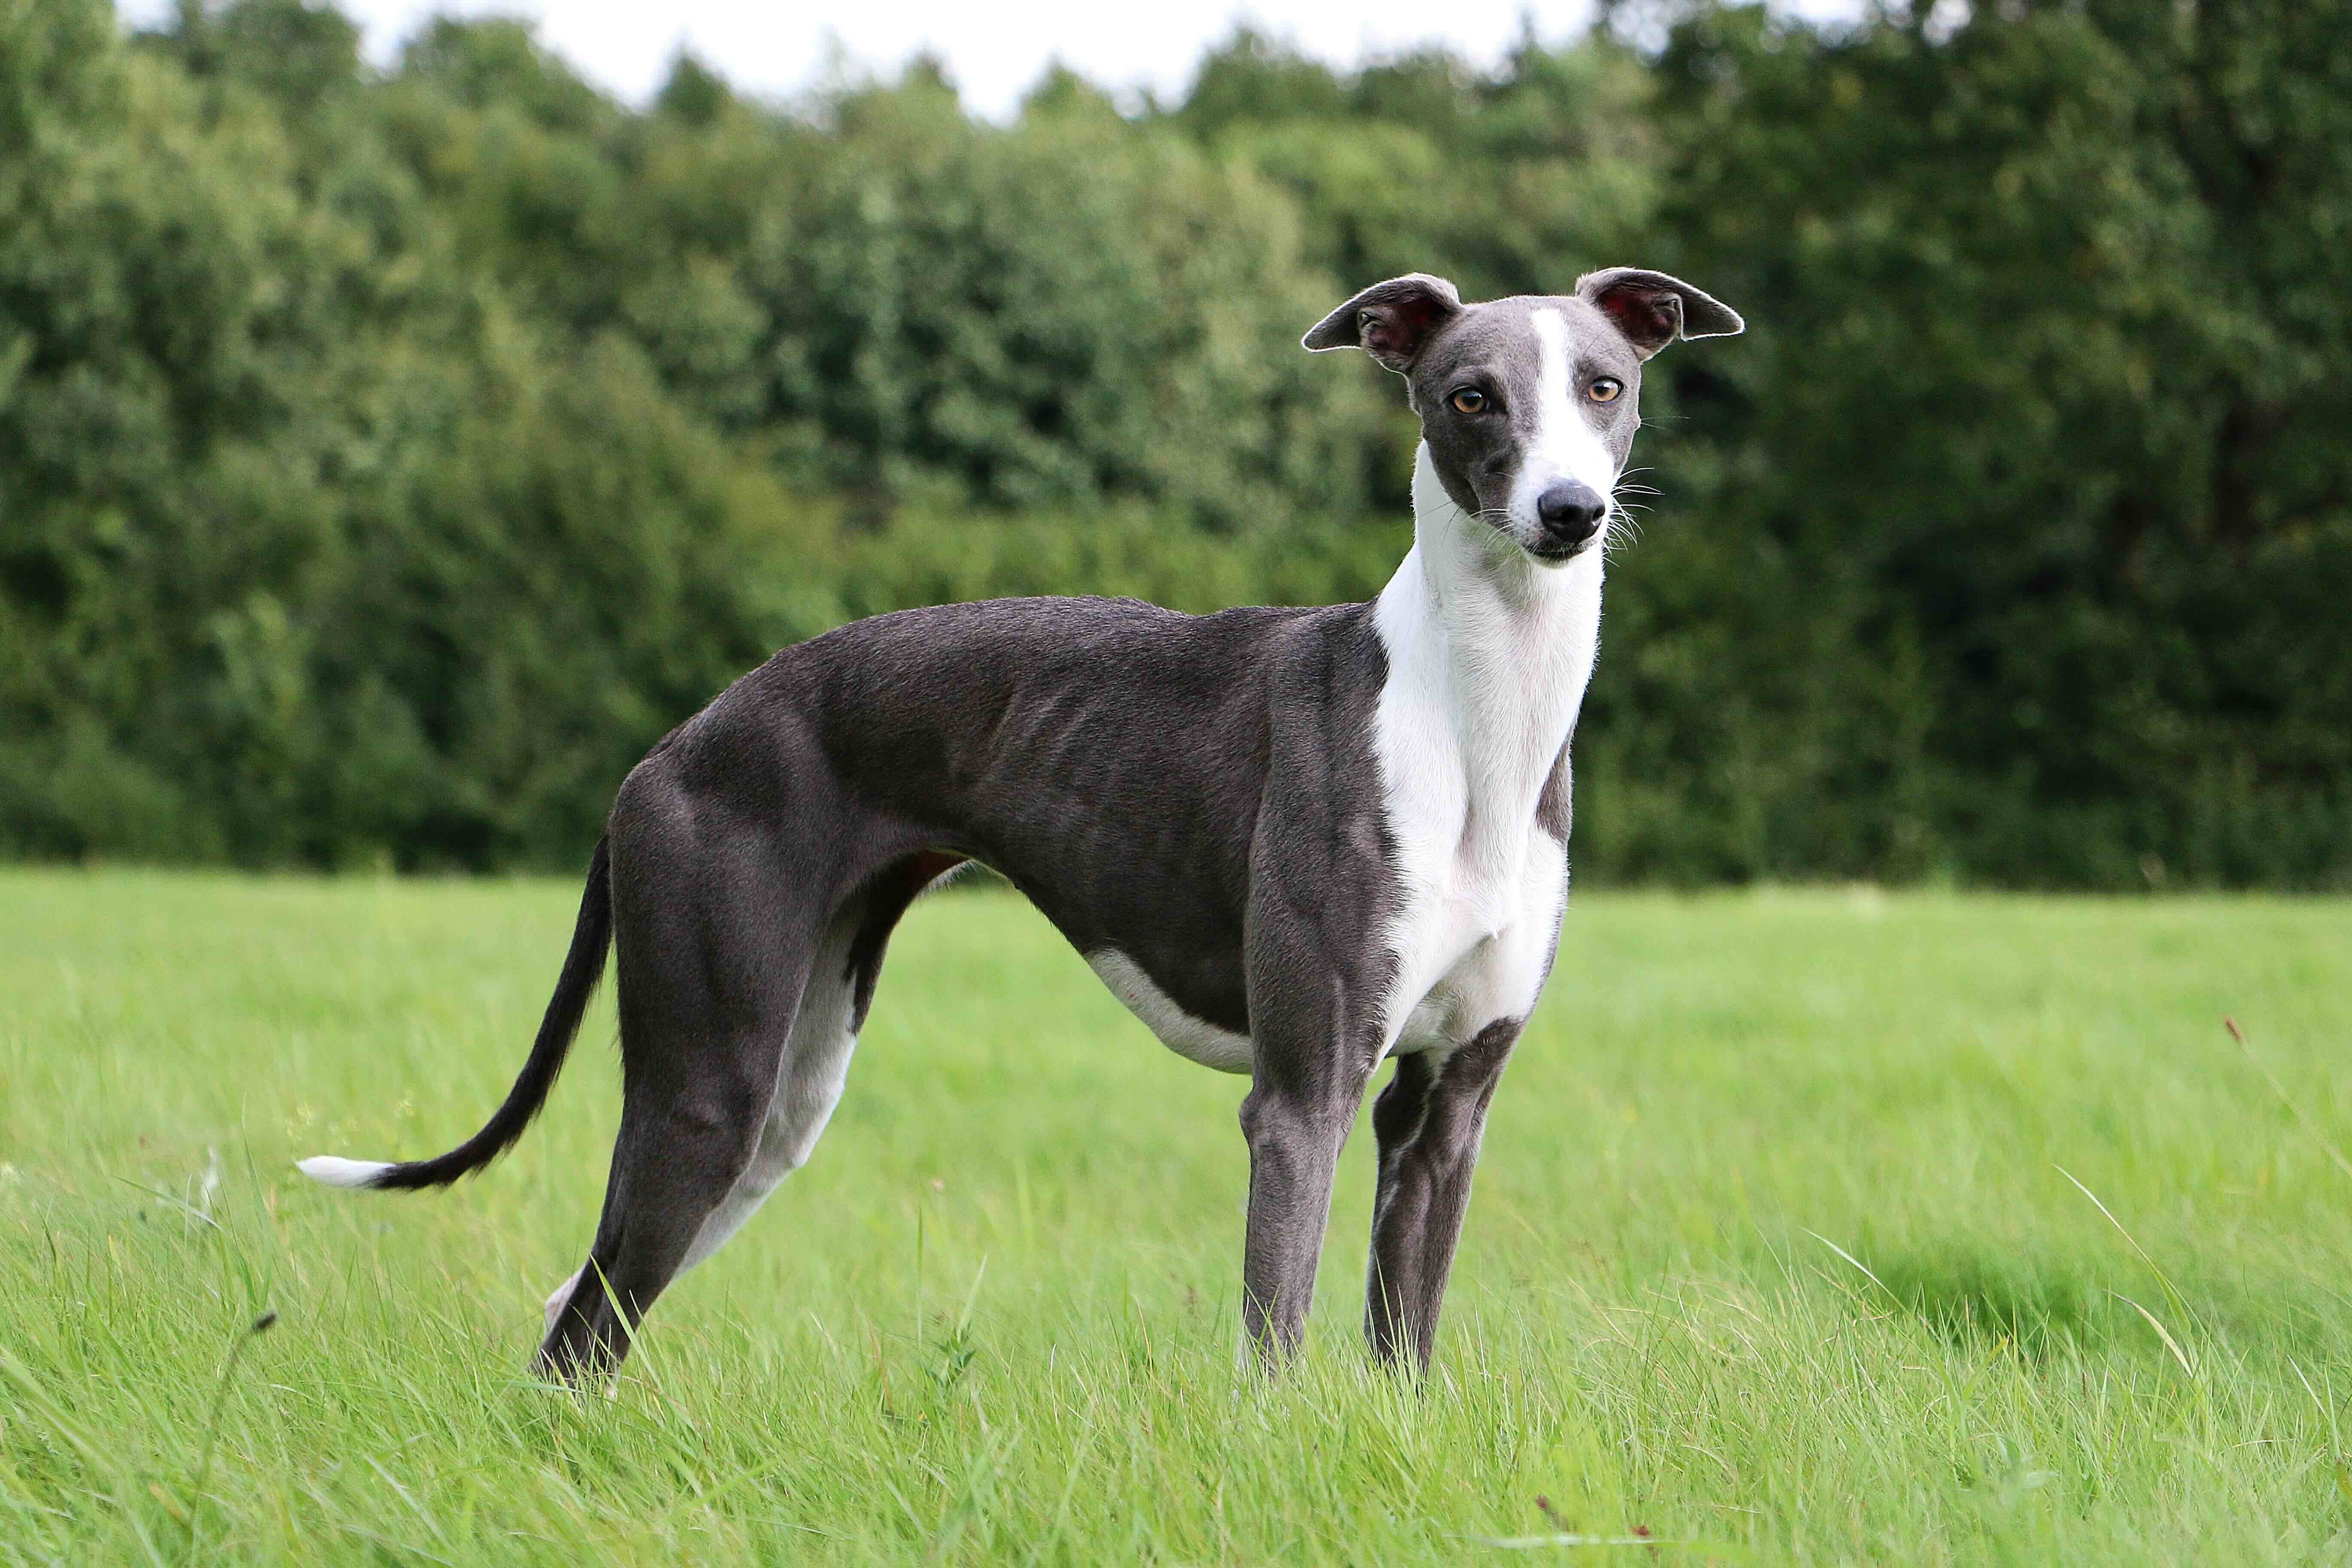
(2046, 1304)
(1976, 1298)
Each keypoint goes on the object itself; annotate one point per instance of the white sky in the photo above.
(994, 52)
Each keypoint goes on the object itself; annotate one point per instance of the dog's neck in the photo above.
(1500, 644)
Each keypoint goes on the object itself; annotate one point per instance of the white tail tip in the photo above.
(337, 1172)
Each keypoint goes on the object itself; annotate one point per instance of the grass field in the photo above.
(1772, 1256)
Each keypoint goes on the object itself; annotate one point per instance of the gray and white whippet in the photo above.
(1294, 842)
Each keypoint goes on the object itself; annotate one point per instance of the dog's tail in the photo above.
(583, 967)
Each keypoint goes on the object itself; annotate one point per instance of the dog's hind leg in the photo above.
(808, 1076)
(808, 1086)
(715, 946)
(825, 1036)
(560, 1295)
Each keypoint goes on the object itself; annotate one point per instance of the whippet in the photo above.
(1294, 842)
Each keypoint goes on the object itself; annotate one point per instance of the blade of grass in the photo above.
(1857, 1262)
(2246, 1047)
(2172, 1295)
(2161, 1331)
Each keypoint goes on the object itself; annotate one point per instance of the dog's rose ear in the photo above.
(1653, 309)
(1389, 321)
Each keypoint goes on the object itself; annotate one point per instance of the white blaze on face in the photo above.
(1564, 446)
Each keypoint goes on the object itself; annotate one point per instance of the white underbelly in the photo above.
(1195, 1039)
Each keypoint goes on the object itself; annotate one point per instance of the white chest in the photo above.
(1473, 941)
(1487, 666)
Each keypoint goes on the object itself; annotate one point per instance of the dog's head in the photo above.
(1529, 404)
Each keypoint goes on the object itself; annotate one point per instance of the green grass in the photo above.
(995, 1319)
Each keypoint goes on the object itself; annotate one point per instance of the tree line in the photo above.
(389, 456)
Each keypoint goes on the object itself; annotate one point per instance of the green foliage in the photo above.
(1509, 186)
(388, 458)
(2040, 427)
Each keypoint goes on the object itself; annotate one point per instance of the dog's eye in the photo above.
(1468, 400)
(1605, 390)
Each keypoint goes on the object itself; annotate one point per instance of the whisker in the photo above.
(1624, 529)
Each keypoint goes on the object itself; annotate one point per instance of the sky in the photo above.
(994, 52)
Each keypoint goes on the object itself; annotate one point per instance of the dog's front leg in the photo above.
(1315, 1038)
(1295, 1131)
(1318, 970)
(1430, 1122)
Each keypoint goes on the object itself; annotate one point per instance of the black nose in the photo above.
(1570, 513)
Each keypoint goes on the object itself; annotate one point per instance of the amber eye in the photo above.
(1605, 390)
(1468, 400)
